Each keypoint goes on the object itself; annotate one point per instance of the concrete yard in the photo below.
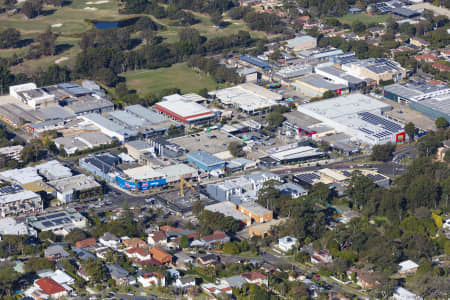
(213, 142)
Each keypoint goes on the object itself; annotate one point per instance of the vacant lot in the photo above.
(177, 76)
(365, 18)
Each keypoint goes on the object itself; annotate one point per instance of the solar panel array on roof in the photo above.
(376, 177)
(379, 121)
(10, 189)
(308, 177)
(347, 173)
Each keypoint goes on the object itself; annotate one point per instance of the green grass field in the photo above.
(177, 76)
(366, 19)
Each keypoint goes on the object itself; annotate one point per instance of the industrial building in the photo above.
(154, 123)
(294, 71)
(252, 61)
(294, 152)
(89, 104)
(53, 170)
(248, 97)
(21, 176)
(110, 128)
(256, 212)
(314, 85)
(248, 74)
(377, 69)
(316, 56)
(206, 161)
(229, 209)
(101, 165)
(184, 110)
(358, 116)
(31, 95)
(300, 43)
(61, 222)
(82, 141)
(432, 101)
(338, 76)
(165, 148)
(78, 187)
(15, 201)
(139, 150)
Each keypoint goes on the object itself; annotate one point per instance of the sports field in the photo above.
(177, 76)
(364, 18)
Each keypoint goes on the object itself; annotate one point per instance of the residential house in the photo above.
(236, 281)
(109, 240)
(408, 267)
(213, 290)
(401, 293)
(364, 278)
(429, 58)
(255, 277)
(121, 276)
(416, 41)
(90, 242)
(83, 254)
(441, 67)
(148, 279)
(185, 282)
(134, 243)
(138, 253)
(83, 274)
(51, 288)
(287, 243)
(173, 273)
(56, 252)
(182, 260)
(161, 256)
(147, 262)
(321, 256)
(212, 240)
(157, 238)
(59, 276)
(209, 260)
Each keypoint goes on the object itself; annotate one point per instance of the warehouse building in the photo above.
(15, 201)
(248, 74)
(89, 104)
(358, 116)
(316, 56)
(432, 101)
(300, 43)
(314, 85)
(110, 128)
(102, 165)
(61, 222)
(229, 209)
(139, 150)
(154, 123)
(31, 95)
(21, 176)
(338, 76)
(256, 62)
(53, 170)
(82, 141)
(165, 148)
(184, 110)
(294, 153)
(256, 212)
(248, 97)
(205, 161)
(294, 71)
(78, 187)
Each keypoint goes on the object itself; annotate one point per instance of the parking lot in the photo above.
(213, 142)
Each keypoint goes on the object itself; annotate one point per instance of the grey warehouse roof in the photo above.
(104, 122)
(205, 157)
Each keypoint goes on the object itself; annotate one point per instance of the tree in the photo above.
(358, 27)
(197, 207)
(274, 120)
(359, 188)
(216, 18)
(96, 270)
(8, 279)
(184, 242)
(236, 149)
(410, 130)
(36, 264)
(231, 248)
(383, 152)
(32, 8)
(441, 122)
(47, 43)
(75, 236)
(447, 156)
(9, 38)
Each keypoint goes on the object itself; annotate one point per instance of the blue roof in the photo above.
(205, 158)
(256, 62)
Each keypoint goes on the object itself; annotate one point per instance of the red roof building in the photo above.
(427, 57)
(255, 277)
(86, 243)
(441, 67)
(161, 256)
(50, 287)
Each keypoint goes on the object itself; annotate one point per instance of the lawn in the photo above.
(177, 76)
(365, 18)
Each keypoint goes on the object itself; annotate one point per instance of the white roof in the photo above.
(9, 226)
(177, 170)
(407, 265)
(287, 240)
(184, 107)
(23, 195)
(228, 209)
(58, 276)
(54, 169)
(22, 176)
(248, 96)
(143, 172)
(77, 182)
(404, 294)
(299, 152)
